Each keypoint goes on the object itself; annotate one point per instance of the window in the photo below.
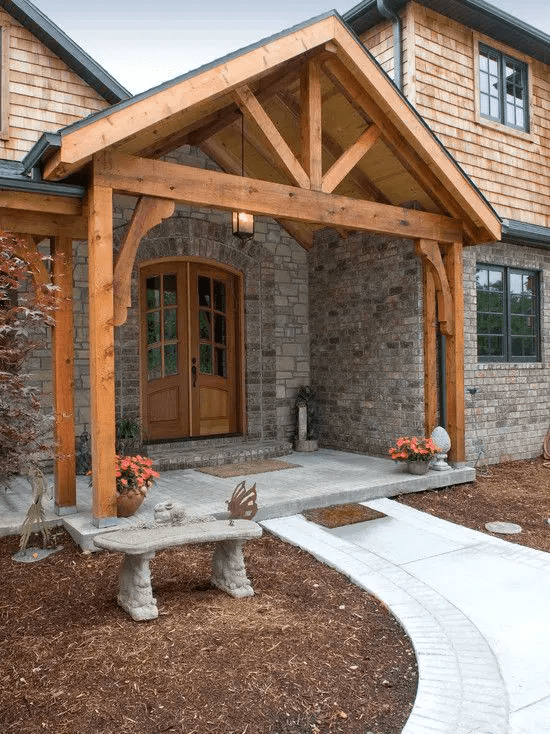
(508, 324)
(502, 88)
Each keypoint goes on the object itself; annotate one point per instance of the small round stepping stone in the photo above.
(503, 528)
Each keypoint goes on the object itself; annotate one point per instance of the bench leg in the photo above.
(229, 573)
(135, 592)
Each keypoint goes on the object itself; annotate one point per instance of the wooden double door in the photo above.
(189, 350)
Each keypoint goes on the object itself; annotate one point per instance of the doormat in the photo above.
(336, 516)
(257, 466)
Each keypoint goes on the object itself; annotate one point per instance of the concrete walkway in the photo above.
(475, 607)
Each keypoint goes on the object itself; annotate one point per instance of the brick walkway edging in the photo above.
(460, 689)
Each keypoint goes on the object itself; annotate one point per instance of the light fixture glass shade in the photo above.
(243, 225)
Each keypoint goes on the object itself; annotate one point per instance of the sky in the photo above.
(142, 43)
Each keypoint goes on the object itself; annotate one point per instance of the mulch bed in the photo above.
(516, 491)
(256, 466)
(309, 654)
(336, 516)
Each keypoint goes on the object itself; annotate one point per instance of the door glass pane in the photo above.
(219, 296)
(153, 327)
(170, 324)
(152, 287)
(206, 359)
(204, 291)
(221, 362)
(171, 359)
(204, 325)
(170, 290)
(154, 368)
(219, 329)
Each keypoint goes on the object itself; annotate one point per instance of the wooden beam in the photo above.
(190, 185)
(148, 213)
(23, 201)
(102, 349)
(43, 224)
(145, 113)
(340, 168)
(430, 253)
(455, 355)
(63, 377)
(430, 351)
(311, 124)
(254, 112)
(302, 233)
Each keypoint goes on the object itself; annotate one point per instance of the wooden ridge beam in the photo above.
(349, 158)
(189, 185)
(254, 112)
(148, 213)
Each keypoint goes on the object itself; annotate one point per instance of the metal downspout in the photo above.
(387, 12)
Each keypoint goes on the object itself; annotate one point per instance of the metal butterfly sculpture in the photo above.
(242, 505)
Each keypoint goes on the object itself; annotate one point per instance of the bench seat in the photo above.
(139, 546)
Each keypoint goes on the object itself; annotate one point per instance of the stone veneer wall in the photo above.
(509, 415)
(276, 307)
(366, 341)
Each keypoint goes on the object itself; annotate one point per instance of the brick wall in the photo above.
(510, 414)
(366, 348)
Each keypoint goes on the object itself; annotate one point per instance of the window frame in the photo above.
(502, 58)
(507, 356)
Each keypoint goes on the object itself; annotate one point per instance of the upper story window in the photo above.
(503, 88)
(508, 320)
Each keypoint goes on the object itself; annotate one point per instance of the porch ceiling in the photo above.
(371, 143)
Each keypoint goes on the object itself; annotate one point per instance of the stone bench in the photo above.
(139, 546)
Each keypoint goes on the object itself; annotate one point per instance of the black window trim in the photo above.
(502, 58)
(507, 358)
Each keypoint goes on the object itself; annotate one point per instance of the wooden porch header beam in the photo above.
(141, 176)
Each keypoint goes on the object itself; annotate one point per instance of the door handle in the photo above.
(194, 373)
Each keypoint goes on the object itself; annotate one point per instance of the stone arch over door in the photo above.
(203, 240)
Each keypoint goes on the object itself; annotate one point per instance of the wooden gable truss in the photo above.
(329, 142)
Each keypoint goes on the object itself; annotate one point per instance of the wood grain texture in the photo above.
(102, 350)
(129, 174)
(455, 355)
(63, 375)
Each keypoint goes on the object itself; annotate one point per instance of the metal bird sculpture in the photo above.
(242, 505)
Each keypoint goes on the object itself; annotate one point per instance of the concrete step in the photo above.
(183, 455)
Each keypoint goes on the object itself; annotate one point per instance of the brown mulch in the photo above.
(256, 466)
(336, 516)
(516, 491)
(309, 654)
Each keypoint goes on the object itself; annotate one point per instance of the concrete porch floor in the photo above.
(323, 478)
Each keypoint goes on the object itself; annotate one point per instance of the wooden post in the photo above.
(63, 377)
(455, 354)
(430, 351)
(102, 352)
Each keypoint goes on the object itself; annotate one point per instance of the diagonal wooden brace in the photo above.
(149, 212)
(430, 253)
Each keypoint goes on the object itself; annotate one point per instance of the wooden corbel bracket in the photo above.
(27, 250)
(149, 212)
(430, 253)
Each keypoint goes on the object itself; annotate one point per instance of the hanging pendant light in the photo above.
(243, 223)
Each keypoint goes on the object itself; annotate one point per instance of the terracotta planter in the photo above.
(127, 504)
(418, 467)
